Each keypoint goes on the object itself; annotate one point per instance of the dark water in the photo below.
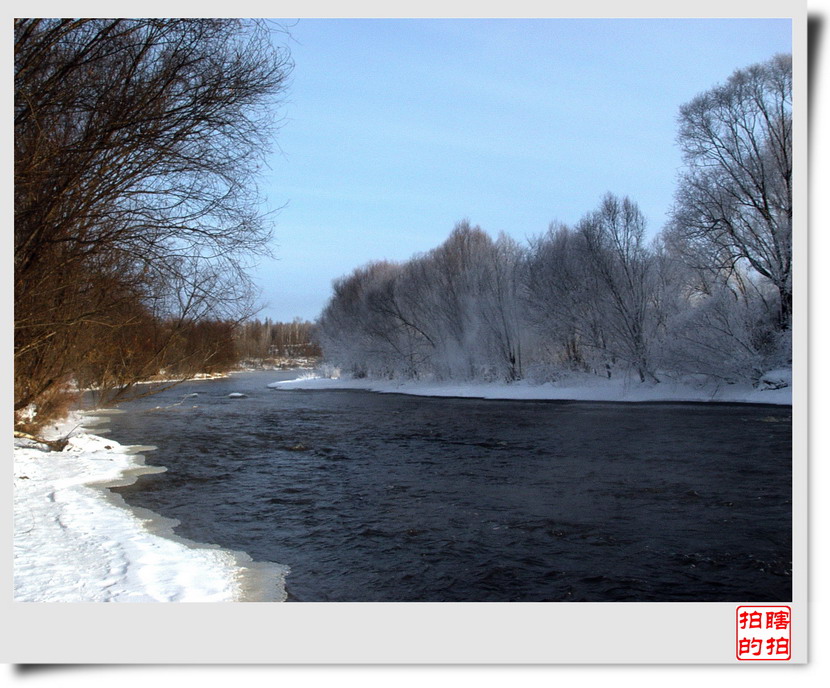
(398, 498)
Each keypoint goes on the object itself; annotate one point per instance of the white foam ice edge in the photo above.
(574, 388)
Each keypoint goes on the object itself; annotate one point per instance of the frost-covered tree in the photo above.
(734, 200)
(399, 322)
(449, 313)
(594, 298)
(564, 312)
(726, 335)
(723, 324)
(353, 331)
(500, 307)
(621, 270)
(453, 273)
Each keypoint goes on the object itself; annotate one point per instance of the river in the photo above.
(386, 497)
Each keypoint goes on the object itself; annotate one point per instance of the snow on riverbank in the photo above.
(582, 388)
(77, 542)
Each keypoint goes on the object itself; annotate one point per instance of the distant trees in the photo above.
(255, 339)
(137, 142)
(368, 326)
(451, 313)
(475, 308)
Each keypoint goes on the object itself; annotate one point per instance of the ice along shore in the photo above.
(775, 388)
(76, 541)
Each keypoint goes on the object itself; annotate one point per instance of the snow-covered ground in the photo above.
(776, 389)
(75, 541)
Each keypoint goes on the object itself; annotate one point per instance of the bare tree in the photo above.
(137, 143)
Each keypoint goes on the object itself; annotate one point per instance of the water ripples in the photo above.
(396, 498)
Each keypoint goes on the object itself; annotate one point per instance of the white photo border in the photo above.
(433, 633)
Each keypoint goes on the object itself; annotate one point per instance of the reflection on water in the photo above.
(397, 498)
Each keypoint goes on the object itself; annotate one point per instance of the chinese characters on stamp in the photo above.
(763, 632)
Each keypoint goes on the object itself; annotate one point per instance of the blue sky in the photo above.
(395, 130)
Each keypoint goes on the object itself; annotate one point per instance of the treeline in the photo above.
(136, 211)
(711, 295)
(260, 340)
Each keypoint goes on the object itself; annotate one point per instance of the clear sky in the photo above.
(396, 129)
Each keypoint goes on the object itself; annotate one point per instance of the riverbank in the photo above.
(775, 389)
(75, 541)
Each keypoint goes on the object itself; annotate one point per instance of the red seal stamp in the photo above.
(763, 633)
